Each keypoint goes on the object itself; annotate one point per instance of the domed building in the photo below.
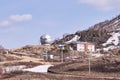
(45, 39)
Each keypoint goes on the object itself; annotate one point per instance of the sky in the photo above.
(22, 22)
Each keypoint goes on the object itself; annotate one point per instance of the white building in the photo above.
(83, 46)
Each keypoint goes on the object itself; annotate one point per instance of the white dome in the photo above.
(45, 39)
(45, 36)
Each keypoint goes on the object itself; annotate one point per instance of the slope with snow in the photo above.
(74, 39)
(114, 39)
(39, 69)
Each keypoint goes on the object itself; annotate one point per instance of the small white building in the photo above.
(83, 46)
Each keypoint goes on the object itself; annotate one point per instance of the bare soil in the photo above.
(105, 68)
(49, 76)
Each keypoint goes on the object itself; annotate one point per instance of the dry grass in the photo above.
(103, 67)
(48, 76)
(28, 64)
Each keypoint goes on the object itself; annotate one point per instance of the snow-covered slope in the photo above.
(113, 42)
(110, 48)
(41, 68)
(114, 39)
(74, 39)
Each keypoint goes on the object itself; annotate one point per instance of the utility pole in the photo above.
(46, 54)
(47, 48)
(62, 53)
(89, 62)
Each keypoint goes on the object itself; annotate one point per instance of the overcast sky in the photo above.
(22, 22)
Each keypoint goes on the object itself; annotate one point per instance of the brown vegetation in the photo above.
(102, 67)
(48, 76)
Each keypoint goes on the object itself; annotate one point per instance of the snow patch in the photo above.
(109, 48)
(114, 39)
(9, 69)
(97, 55)
(39, 69)
(74, 39)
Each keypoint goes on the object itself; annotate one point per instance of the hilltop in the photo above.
(99, 33)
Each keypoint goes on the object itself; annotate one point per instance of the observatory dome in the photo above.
(45, 39)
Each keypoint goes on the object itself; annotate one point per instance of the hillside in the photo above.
(109, 25)
(98, 34)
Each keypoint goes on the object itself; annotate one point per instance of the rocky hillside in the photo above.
(98, 34)
(109, 25)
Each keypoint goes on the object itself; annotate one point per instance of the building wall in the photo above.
(85, 47)
(91, 47)
(81, 47)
